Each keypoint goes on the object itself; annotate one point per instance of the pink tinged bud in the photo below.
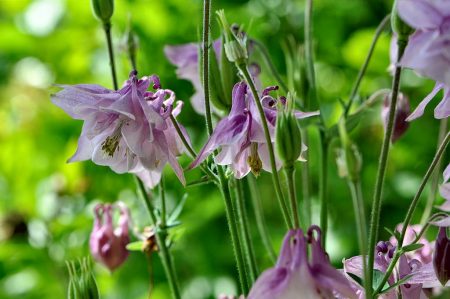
(107, 242)
(401, 114)
(441, 258)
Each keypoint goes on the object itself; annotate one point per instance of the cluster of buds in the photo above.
(108, 242)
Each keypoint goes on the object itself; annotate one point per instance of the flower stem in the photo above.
(289, 171)
(107, 29)
(252, 270)
(255, 197)
(231, 219)
(275, 178)
(309, 59)
(382, 165)
(435, 177)
(161, 235)
(304, 168)
(360, 219)
(323, 186)
(363, 69)
(205, 62)
(415, 201)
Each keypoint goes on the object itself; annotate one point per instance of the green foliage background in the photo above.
(46, 204)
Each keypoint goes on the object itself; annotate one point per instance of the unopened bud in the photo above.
(441, 260)
(108, 243)
(103, 9)
(235, 47)
(288, 140)
(401, 114)
(82, 283)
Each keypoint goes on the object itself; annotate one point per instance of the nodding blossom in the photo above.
(427, 50)
(108, 241)
(240, 135)
(128, 130)
(295, 276)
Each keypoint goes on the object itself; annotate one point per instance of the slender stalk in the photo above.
(275, 178)
(360, 220)
(161, 235)
(107, 29)
(290, 177)
(388, 272)
(304, 169)
(162, 196)
(363, 69)
(416, 198)
(268, 61)
(205, 62)
(255, 197)
(323, 186)
(382, 165)
(435, 177)
(309, 59)
(246, 241)
(231, 219)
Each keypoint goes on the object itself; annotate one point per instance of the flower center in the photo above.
(111, 143)
(253, 160)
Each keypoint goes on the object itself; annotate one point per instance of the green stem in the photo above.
(107, 29)
(269, 63)
(252, 270)
(289, 171)
(255, 197)
(161, 235)
(382, 165)
(304, 168)
(360, 220)
(205, 63)
(162, 196)
(275, 178)
(435, 176)
(309, 59)
(363, 69)
(415, 201)
(323, 186)
(231, 220)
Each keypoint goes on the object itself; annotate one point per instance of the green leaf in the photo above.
(395, 234)
(356, 278)
(135, 246)
(377, 278)
(412, 247)
(177, 211)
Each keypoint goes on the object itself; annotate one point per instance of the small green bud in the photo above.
(103, 9)
(235, 47)
(288, 140)
(399, 27)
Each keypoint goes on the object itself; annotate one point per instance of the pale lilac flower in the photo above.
(127, 129)
(240, 135)
(401, 113)
(295, 276)
(441, 258)
(108, 241)
(423, 254)
(186, 59)
(428, 49)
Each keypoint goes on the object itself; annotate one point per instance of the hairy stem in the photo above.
(304, 169)
(205, 62)
(290, 177)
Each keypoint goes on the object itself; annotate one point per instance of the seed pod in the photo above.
(103, 9)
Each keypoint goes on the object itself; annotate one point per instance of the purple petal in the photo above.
(445, 191)
(418, 112)
(443, 109)
(420, 14)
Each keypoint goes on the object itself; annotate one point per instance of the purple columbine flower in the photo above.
(127, 130)
(427, 51)
(441, 258)
(240, 135)
(108, 242)
(423, 254)
(295, 276)
(186, 59)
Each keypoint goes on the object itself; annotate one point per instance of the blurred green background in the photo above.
(46, 204)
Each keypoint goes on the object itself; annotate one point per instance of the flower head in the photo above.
(295, 275)
(127, 129)
(108, 241)
(240, 135)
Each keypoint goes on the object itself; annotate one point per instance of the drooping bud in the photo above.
(349, 159)
(103, 10)
(288, 140)
(441, 260)
(108, 243)
(399, 27)
(82, 283)
(401, 114)
(235, 44)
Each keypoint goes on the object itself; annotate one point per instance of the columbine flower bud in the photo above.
(103, 9)
(108, 243)
(288, 140)
(401, 114)
(349, 159)
(441, 260)
(235, 47)
(82, 283)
